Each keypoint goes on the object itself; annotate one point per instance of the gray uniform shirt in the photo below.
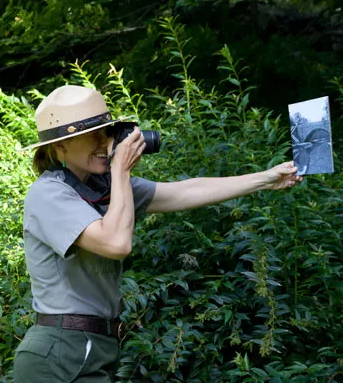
(66, 279)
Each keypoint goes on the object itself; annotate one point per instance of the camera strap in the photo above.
(96, 192)
(109, 158)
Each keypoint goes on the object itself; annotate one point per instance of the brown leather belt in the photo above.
(109, 327)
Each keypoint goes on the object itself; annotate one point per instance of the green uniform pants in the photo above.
(54, 355)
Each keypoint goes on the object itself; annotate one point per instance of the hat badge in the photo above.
(71, 129)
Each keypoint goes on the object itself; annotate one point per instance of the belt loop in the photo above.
(59, 318)
(108, 323)
(36, 318)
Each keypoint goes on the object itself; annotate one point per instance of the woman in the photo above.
(78, 227)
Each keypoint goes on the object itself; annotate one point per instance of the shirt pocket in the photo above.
(110, 266)
(99, 265)
(86, 263)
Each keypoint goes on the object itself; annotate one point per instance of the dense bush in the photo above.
(15, 177)
(245, 291)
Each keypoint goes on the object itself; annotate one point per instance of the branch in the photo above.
(67, 37)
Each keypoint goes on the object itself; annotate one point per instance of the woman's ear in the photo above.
(59, 147)
(60, 150)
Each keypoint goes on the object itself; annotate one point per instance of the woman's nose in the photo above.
(102, 136)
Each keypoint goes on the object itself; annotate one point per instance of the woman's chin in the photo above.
(99, 169)
(100, 166)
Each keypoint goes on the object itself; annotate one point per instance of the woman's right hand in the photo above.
(129, 151)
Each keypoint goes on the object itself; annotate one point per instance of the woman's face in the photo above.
(85, 154)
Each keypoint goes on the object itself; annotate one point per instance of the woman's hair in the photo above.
(45, 157)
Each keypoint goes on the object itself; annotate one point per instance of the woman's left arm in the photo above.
(196, 192)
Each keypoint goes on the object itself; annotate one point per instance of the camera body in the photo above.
(120, 130)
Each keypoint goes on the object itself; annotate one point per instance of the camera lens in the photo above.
(152, 140)
(121, 130)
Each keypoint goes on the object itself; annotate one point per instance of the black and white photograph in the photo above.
(310, 126)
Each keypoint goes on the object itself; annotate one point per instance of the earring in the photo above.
(64, 163)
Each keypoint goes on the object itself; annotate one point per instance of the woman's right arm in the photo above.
(111, 237)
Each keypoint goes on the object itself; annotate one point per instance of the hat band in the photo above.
(74, 127)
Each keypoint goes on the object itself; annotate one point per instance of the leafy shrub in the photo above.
(15, 298)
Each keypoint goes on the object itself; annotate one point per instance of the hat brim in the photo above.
(38, 144)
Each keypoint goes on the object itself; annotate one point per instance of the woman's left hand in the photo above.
(282, 176)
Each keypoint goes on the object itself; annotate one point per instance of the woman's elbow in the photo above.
(125, 251)
(109, 245)
(120, 250)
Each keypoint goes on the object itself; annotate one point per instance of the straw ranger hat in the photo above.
(70, 111)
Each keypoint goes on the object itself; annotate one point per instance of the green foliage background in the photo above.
(249, 290)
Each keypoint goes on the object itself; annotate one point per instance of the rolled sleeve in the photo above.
(143, 193)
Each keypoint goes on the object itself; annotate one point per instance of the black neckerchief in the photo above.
(96, 192)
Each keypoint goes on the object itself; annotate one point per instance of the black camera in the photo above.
(120, 130)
